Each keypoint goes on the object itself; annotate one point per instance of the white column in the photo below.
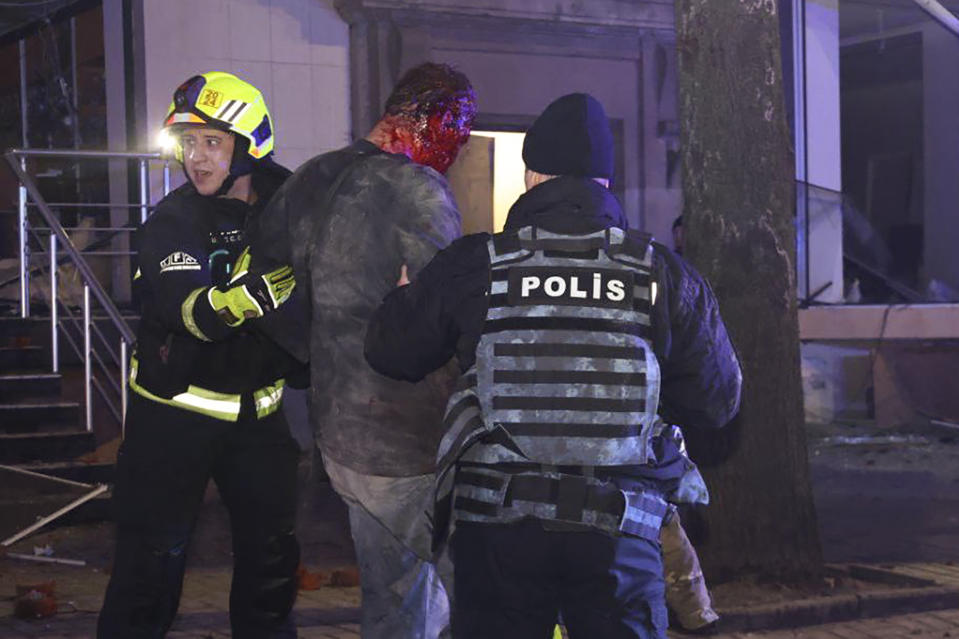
(116, 102)
(940, 55)
(819, 148)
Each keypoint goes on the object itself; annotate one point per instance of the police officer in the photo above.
(206, 387)
(576, 338)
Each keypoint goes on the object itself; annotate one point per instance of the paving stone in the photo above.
(923, 625)
(332, 613)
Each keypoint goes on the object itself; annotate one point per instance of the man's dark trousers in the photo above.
(165, 462)
(512, 580)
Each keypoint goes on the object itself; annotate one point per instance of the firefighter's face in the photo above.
(207, 154)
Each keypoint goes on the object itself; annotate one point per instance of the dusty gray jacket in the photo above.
(385, 211)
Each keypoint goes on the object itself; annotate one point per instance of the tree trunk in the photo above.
(739, 228)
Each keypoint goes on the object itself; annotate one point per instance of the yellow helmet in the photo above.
(223, 101)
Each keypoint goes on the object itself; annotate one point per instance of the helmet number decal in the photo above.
(210, 98)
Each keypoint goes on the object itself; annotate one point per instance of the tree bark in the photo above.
(739, 198)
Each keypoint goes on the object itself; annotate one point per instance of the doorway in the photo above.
(487, 179)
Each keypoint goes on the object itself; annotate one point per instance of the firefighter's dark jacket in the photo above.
(190, 242)
(420, 326)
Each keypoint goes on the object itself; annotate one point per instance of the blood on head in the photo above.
(439, 134)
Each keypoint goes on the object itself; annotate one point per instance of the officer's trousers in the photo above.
(165, 462)
(512, 580)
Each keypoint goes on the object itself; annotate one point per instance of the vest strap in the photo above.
(636, 244)
(571, 494)
(506, 243)
(579, 245)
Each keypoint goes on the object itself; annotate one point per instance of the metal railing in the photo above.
(61, 315)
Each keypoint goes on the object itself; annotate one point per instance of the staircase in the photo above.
(41, 413)
(43, 416)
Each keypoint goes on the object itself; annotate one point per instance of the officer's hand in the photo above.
(404, 277)
(252, 293)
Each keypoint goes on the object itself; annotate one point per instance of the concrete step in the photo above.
(97, 509)
(35, 332)
(99, 473)
(23, 358)
(22, 448)
(38, 416)
(21, 511)
(16, 330)
(24, 385)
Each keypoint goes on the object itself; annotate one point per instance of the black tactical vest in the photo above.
(565, 386)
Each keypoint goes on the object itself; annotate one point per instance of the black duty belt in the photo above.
(625, 505)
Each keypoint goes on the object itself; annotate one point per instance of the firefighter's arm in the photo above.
(175, 264)
(212, 312)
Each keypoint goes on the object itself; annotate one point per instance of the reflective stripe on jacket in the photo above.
(225, 406)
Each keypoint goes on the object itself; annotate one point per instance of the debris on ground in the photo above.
(752, 590)
(345, 577)
(36, 601)
(307, 580)
(46, 559)
(105, 453)
(874, 440)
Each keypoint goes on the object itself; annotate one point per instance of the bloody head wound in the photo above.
(439, 107)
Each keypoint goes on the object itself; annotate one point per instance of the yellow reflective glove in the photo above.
(250, 294)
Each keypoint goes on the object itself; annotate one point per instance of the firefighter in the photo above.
(205, 387)
(579, 342)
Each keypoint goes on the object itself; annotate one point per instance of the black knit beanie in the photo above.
(571, 137)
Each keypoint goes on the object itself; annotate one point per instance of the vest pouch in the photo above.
(644, 514)
(691, 489)
(479, 493)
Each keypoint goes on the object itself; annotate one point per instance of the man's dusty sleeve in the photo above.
(418, 328)
(271, 244)
(268, 232)
(431, 220)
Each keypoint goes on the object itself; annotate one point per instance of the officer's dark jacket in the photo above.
(189, 242)
(385, 211)
(420, 326)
